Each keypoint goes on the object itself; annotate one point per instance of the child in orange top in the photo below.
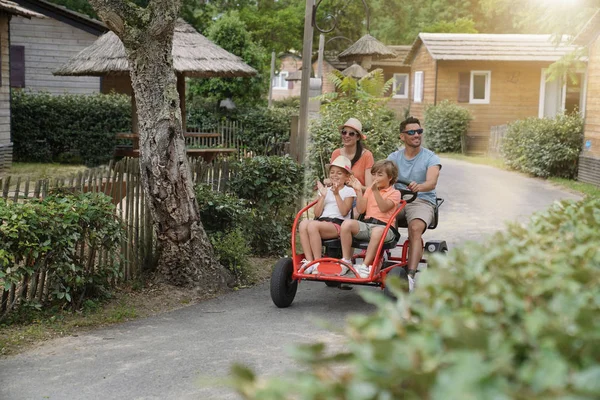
(379, 202)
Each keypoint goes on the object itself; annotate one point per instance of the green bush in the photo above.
(67, 128)
(233, 250)
(379, 125)
(544, 147)
(514, 317)
(272, 187)
(221, 212)
(446, 124)
(264, 130)
(62, 235)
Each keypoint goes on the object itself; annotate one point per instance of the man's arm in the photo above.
(433, 173)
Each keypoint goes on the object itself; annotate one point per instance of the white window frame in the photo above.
(395, 88)
(488, 86)
(418, 87)
(280, 79)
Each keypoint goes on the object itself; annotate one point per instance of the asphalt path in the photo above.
(184, 354)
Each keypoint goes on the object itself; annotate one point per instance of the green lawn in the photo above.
(583, 188)
(37, 171)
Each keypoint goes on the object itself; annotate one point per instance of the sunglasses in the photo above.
(349, 133)
(412, 132)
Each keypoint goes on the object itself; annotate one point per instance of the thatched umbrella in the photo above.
(355, 71)
(193, 56)
(366, 49)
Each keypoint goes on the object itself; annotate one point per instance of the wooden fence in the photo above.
(121, 181)
(497, 134)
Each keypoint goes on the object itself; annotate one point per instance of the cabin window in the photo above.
(279, 81)
(400, 88)
(480, 87)
(17, 66)
(418, 87)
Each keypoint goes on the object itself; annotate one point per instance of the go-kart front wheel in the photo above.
(283, 287)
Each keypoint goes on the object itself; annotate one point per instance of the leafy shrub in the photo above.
(272, 187)
(67, 128)
(264, 129)
(62, 235)
(233, 249)
(379, 125)
(514, 317)
(544, 147)
(446, 124)
(220, 212)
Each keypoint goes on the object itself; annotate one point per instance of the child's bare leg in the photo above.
(320, 230)
(376, 234)
(349, 228)
(304, 239)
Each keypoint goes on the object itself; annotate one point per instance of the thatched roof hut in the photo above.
(364, 50)
(193, 56)
(355, 71)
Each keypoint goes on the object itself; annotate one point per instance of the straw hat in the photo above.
(356, 125)
(342, 162)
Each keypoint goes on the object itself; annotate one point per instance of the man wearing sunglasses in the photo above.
(421, 167)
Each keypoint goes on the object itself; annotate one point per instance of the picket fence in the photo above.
(497, 134)
(121, 181)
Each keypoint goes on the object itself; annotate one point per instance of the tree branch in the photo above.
(116, 12)
(163, 13)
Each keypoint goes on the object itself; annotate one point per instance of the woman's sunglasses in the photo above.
(412, 132)
(349, 133)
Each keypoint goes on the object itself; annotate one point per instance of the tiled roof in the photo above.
(490, 47)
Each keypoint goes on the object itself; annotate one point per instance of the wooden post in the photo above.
(181, 90)
(271, 81)
(305, 83)
(320, 56)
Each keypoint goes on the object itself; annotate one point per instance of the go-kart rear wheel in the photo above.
(283, 287)
(397, 272)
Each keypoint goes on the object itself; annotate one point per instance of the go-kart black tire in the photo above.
(283, 287)
(332, 284)
(400, 273)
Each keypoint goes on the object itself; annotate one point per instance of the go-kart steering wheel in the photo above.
(404, 193)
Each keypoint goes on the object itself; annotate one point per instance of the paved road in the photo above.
(170, 356)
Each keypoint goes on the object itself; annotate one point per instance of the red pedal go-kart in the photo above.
(288, 272)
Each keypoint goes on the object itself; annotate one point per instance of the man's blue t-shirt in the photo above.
(416, 169)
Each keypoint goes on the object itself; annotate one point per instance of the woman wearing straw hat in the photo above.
(361, 159)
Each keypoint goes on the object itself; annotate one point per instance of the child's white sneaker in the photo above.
(313, 269)
(364, 271)
(344, 268)
(303, 264)
(411, 283)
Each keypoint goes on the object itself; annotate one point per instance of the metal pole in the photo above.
(272, 77)
(320, 57)
(305, 82)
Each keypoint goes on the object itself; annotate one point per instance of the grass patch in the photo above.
(37, 171)
(481, 160)
(586, 189)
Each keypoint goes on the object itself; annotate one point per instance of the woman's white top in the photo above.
(330, 209)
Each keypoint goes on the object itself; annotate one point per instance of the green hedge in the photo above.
(544, 147)
(48, 235)
(445, 125)
(264, 129)
(514, 317)
(67, 128)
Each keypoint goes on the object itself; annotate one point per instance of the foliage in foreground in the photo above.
(68, 128)
(61, 236)
(544, 147)
(446, 124)
(514, 317)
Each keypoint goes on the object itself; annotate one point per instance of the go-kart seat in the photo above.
(402, 223)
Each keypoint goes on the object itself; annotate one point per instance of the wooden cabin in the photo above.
(589, 160)
(395, 68)
(41, 45)
(499, 78)
(8, 12)
(283, 88)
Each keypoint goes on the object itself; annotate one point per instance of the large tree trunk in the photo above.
(185, 253)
